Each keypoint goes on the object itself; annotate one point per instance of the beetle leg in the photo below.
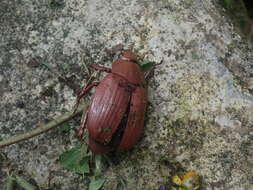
(87, 89)
(150, 73)
(101, 68)
(98, 148)
(80, 131)
(84, 92)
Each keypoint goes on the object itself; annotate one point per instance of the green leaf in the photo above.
(96, 184)
(98, 164)
(121, 184)
(146, 65)
(76, 159)
(185, 187)
(9, 183)
(65, 128)
(24, 184)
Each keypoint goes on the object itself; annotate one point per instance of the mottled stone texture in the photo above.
(200, 115)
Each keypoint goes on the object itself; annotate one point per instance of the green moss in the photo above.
(238, 14)
(243, 23)
(186, 3)
(229, 4)
(56, 4)
(195, 55)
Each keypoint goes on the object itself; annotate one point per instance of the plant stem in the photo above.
(39, 130)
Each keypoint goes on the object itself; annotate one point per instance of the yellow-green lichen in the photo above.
(187, 128)
(195, 96)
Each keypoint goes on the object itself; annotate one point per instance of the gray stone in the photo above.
(201, 98)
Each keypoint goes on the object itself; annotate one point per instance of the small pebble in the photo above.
(162, 187)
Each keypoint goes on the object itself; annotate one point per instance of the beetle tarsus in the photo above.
(80, 131)
(83, 93)
(150, 73)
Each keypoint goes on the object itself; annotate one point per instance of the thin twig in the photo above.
(85, 66)
(39, 130)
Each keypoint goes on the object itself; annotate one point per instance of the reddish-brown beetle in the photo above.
(115, 117)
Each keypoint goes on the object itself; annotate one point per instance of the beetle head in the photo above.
(125, 66)
(126, 55)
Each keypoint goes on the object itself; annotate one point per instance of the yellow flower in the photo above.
(176, 180)
(187, 181)
(191, 181)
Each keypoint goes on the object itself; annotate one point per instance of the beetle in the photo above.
(115, 116)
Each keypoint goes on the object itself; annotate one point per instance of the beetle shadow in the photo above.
(116, 157)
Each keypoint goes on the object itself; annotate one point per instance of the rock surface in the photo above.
(201, 97)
